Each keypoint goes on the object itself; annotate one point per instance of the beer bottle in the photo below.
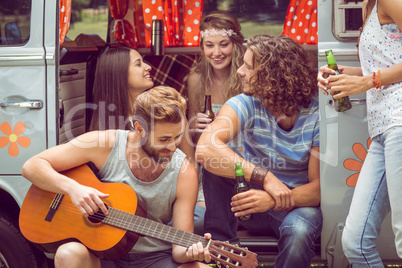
(342, 104)
(208, 107)
(241, 186)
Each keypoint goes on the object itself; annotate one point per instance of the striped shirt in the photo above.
(285, 153)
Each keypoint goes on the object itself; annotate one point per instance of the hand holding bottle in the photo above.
(241, 186)
(341, 103)
(252, 201)
(345, 84)
(322, 78)
(202, 122)
(206, 117)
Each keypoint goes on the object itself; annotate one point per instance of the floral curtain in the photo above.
(301, 21)
(181, 21)
(65, 15)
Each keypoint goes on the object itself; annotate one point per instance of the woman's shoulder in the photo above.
(194, 88)
(193, 80)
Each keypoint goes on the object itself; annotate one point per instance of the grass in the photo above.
(92, 23)
(250, 28)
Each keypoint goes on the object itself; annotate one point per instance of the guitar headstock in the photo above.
(228, 255)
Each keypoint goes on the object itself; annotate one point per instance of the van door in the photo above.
(24, 100)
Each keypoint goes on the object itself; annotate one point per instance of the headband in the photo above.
(214, 32)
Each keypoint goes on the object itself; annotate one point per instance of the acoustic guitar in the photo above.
(49, 220)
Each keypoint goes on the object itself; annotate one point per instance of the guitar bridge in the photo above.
(54, 206)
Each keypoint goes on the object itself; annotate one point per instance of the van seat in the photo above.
(172, 70)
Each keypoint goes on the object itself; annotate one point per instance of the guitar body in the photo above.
(67, 224)
(50, 220)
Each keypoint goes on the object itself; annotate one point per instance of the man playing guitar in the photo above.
(148, 160)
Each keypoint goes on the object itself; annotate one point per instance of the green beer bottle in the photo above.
(342, 104)
(241, 186)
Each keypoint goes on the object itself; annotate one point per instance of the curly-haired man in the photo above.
(278, 118)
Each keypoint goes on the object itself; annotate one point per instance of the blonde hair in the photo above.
(220, 20)
(159, 104)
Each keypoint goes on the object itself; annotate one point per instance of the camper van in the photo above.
(47, 59)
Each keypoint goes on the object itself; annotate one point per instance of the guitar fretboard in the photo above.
(151, 228)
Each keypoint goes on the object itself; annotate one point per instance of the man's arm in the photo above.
(187, 146)
(212, 151)
(216, 157)
(308, 195)
(43, 170)
(183, 214)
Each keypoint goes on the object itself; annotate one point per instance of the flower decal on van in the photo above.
(13, 138)
(356, 165)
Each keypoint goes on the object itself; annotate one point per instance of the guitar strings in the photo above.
(156, 232)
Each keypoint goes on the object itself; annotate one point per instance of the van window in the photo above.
(15, 21)
(89, 18)
(255, 16)
(347, 19)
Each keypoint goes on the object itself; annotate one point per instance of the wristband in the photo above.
(379, 80)
(258, 175)
(374, 83)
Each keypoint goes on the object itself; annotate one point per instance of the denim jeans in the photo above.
(296, 230)
(378, 191)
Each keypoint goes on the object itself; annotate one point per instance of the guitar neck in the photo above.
(147, 227)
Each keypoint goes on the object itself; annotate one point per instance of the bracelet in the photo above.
(379, 80)
(258, 175)
(374, 83)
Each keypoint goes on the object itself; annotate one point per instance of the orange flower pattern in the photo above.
(356, 165)
(13, 138)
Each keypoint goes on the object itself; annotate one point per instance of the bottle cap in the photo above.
(330, 57)
(239, 169)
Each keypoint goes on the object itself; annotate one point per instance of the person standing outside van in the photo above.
(378, 189)
(277, 117)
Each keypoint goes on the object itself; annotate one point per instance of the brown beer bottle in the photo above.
(342, 104)
(208, 107)
(241, 186)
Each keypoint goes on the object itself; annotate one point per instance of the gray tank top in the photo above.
(155, 197)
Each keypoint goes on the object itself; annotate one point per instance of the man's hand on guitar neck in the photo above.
(197, 252)
(88, 200)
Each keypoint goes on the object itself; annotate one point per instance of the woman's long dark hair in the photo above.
(110, 90)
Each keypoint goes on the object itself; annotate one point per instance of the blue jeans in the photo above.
(378, 191)
(296, 230)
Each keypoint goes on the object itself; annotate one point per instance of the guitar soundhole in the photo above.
(98, 216)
